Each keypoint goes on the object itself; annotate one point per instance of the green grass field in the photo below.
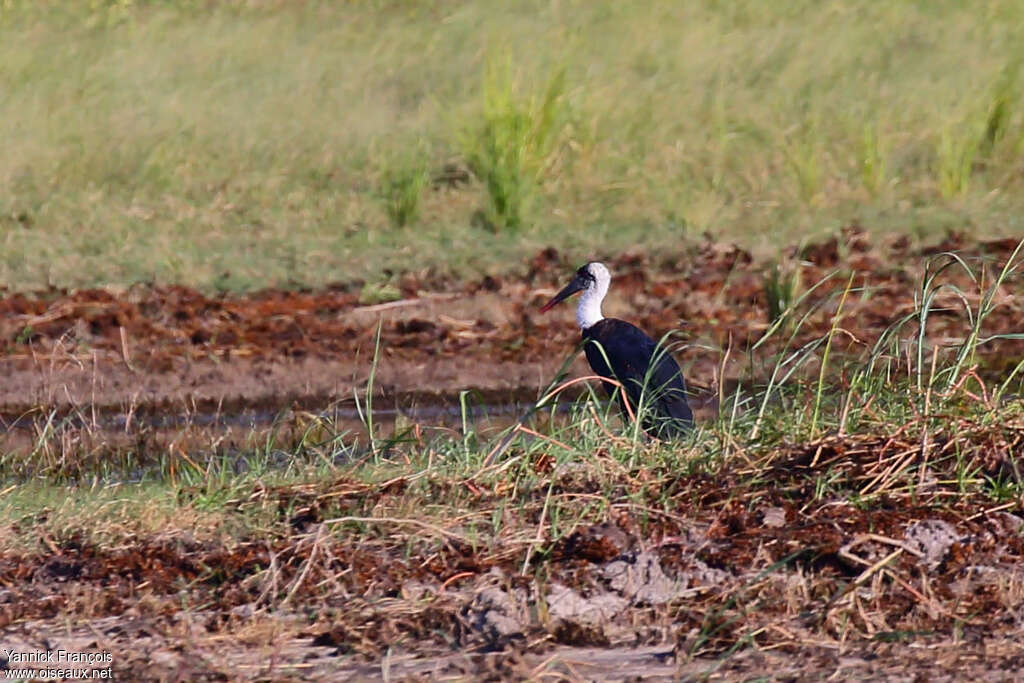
(277, 144)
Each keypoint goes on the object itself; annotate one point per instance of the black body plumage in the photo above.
(654, 386)
(619, 350)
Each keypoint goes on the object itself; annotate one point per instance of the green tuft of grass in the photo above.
(404, 176)
(873, 160)
(510, 149)
(782, 284)
(955, 155)
(1002, 108)
(804, 156)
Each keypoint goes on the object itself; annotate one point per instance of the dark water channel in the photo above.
(204, 429)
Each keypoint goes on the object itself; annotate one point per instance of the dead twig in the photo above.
(401, 522)
(305, 569)
(864, 576)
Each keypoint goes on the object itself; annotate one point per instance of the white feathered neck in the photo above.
(588, 311)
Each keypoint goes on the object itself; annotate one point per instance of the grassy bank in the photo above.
(305, 143)
(838, 501)
(840, 516)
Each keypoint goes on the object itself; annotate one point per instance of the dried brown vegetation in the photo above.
(865, 526)
(689, 567)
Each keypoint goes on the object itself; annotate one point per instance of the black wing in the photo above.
(617, 349)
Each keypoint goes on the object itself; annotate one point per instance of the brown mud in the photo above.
(167, 347)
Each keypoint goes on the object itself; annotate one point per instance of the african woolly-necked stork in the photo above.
(619, 350)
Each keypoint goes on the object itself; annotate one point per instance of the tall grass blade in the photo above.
(825, 357)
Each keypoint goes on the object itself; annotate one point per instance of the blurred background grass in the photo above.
(241, 145)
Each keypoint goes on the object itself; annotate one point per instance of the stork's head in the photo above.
(592, 279)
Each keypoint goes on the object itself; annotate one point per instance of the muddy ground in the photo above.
(912, 587)
(171, 347)
(718, 589)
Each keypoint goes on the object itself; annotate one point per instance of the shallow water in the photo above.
(205, 430)
(444, 410)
